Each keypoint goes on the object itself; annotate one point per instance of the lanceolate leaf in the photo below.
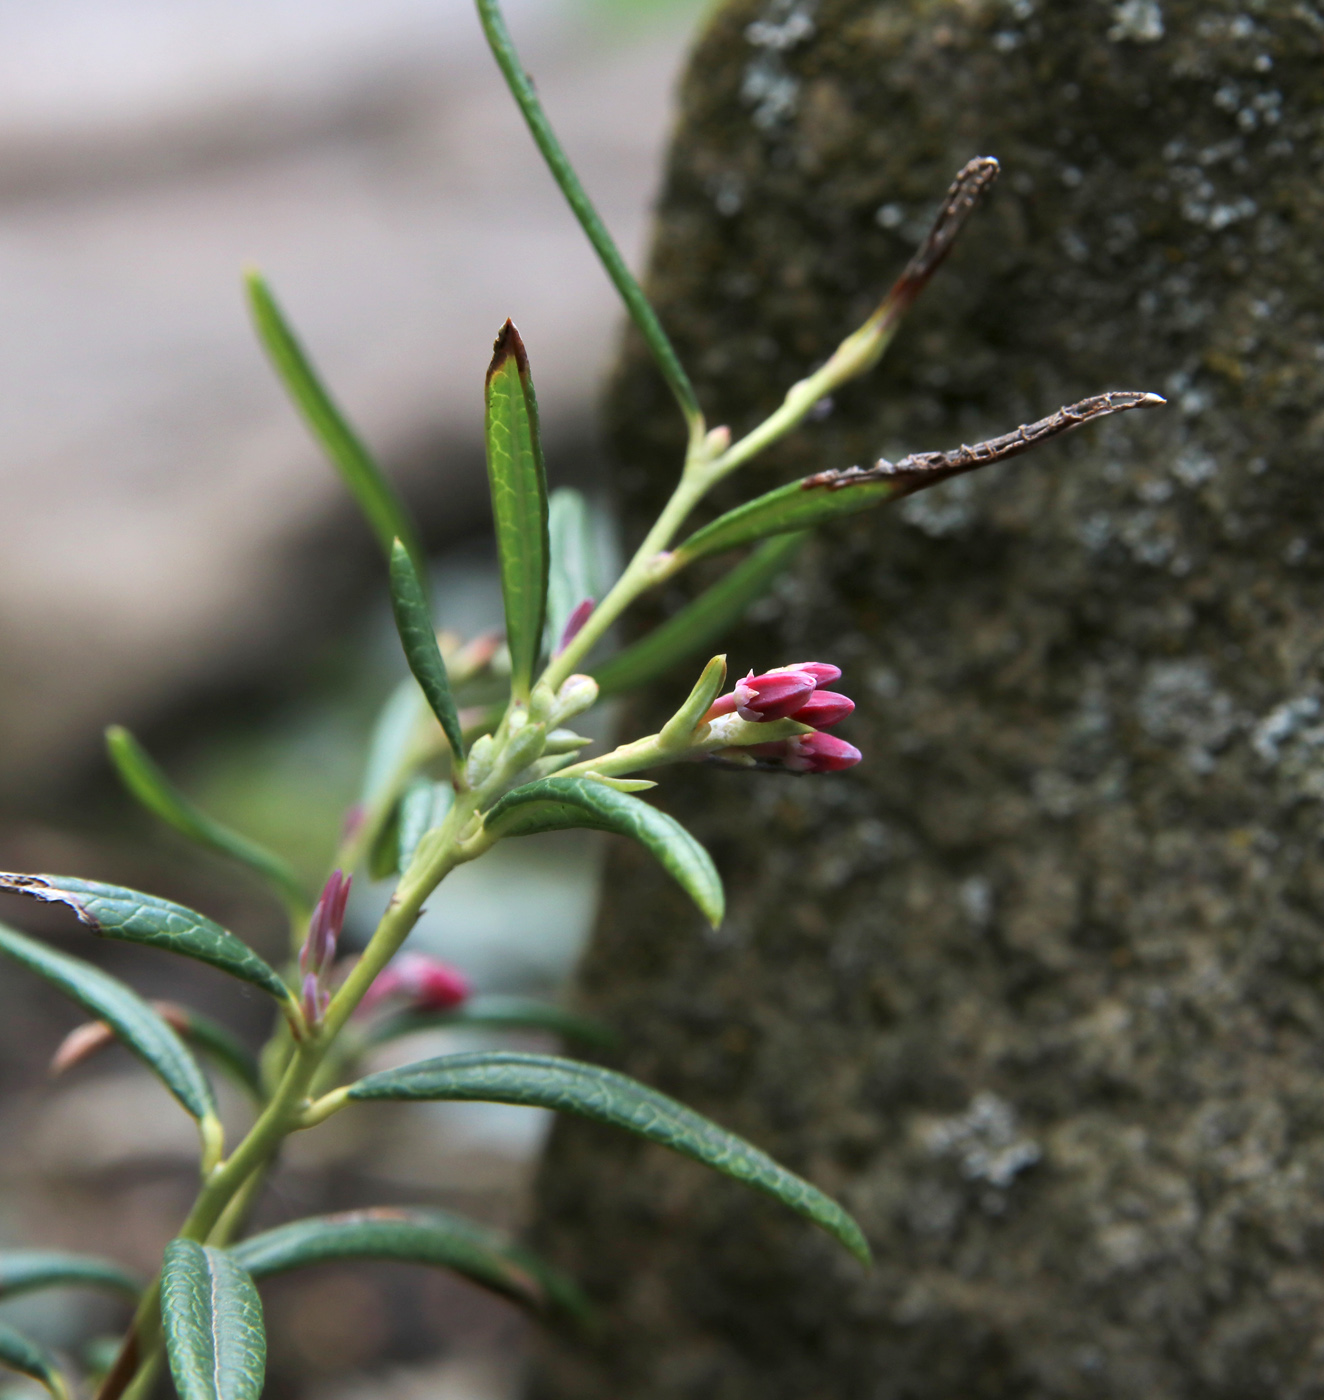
(559, 804)
(692, 630)
(423, 807)
(544, 1081)
(28, 1359)
(519, 502)
(392, 740)
(116, 912)
(221, 1044)
(415, 1236)
(413, 620)
(212, 1319)
(136, 1024)
(159, 795)
(500, 1013)
(26, 1270)
(642, 313)
(801, 505)
(574, 572)
(370, 488)
(788, 508)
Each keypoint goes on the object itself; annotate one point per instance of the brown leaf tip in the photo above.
(972, 182)
(507, 344)
(921, 469)
(38, 887)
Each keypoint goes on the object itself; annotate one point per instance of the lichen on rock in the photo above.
(1073, 900)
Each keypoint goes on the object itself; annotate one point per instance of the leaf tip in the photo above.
(255, 284)
(508, 344)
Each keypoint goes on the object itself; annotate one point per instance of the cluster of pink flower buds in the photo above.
(793, 692)
(427, 984)
(319, 949)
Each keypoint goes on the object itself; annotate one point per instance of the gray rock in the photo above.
(1036, 989)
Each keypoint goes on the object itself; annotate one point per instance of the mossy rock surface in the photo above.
(1038, 990)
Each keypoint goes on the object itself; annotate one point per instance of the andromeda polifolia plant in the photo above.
(476, 747)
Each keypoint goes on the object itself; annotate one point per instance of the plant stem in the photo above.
(642, 571)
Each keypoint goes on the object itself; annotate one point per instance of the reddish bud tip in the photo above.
(574, 622)
(314, 1000)
(824, 708)
(428, 984)
(820, 753)
(319, 949)
(774, 695)
(823, 672)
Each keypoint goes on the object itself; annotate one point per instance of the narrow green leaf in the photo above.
(790, 507)
(641, 311)
(212, 1318)
(26, 1270)
(375, 496)
(220, 1043)
(559, 804)
(829, 495)
(415, 1236)
(545, 1081)
(519, 503)
(20, 1354)
(699, 623)
(423, 807)
(116, 912)
(392, 740)
(498, 1013)
(574, 574)
(678, 731)
(160, 796)
(136, 1024)
(418, 637)
(384, 853)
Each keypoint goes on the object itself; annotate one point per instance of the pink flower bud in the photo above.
(819, 753)
(319, 949)
(433, 985)
(774, 695)
(823, 672)
(427, 983)
(823, 709)
(314, 999)
(574, 622)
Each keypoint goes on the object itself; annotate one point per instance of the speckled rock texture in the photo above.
(1038, 990)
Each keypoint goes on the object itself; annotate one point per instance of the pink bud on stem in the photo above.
(319, 948)
(583, 611)
(792, 692)
(824, 708)
(426, 983)
(808, 753)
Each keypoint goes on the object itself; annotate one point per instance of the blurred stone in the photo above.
(165, 525)
(456, 1378)
(1035, 990)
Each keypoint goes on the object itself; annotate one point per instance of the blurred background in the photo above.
(175, 556)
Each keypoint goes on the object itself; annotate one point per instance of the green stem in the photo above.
(443, 853)
(503, 49)
(859, 352)
(144, 1380)
(652, 751)
(643, 571)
